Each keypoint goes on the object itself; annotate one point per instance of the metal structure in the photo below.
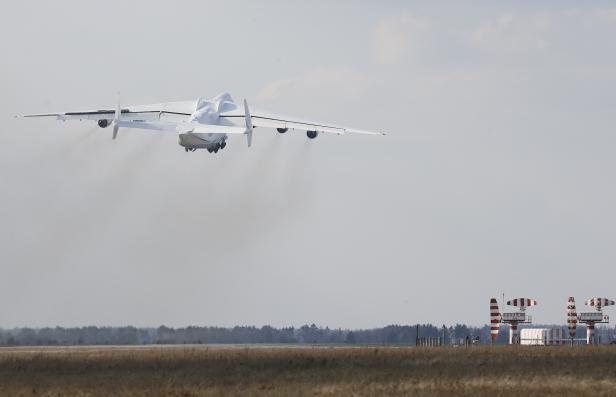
(429, 341)
(548, 336)
(511, 319)
(590, 319)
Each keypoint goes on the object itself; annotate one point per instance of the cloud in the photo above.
(315, 82)
(511, 33)
(396, 38)
(607, 14)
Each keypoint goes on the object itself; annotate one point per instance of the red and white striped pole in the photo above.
(571, 317)
(495, 319)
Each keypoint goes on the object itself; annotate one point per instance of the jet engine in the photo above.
(312, 134)
(282, 130)
(103, 123)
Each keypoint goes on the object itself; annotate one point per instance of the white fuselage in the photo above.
(208, 112)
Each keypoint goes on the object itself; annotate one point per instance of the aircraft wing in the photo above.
(182, 127)
(158, 111)
(156, 117)
(268, 120)
(173, 116)
(261, 121)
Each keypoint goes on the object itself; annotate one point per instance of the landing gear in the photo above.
(217, 147)
(214, 148)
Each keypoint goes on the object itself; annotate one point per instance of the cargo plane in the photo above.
(201, 123)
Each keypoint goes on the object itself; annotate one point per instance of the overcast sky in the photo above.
(497, 175)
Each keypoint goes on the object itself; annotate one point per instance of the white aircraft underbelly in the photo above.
(193, 140)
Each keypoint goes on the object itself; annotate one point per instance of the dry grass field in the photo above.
(311, 371)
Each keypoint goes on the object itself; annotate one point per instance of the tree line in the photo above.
(306, 334)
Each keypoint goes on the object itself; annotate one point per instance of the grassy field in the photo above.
(310, 371)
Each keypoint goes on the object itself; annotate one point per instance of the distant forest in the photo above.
(307, 334)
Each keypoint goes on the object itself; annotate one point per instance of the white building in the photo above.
(542, 336)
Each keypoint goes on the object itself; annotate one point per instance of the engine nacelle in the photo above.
(103, 123)
(312, 134)
(282, 130)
